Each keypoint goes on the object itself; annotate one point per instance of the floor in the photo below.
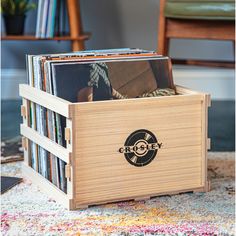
(210, 213)
(221, 123)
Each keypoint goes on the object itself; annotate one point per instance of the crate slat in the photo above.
(46, 100)
(47, 187)
(46, 143)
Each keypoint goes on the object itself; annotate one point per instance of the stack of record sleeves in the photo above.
(88, 76)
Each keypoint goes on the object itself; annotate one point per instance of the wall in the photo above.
(122, 23)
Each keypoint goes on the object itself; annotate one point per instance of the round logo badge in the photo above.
(140, 147)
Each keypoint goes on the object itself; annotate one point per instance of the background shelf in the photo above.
(33, 38)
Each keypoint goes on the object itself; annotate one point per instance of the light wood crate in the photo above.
(97, 172)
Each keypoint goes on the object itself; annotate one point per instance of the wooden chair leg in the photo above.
(166, 47)
(163, 41)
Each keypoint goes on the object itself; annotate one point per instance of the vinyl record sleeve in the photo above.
(8, 182)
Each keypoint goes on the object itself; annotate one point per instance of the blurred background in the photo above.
(122, 23)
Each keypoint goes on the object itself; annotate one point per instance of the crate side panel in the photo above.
(47, 187)
(102, 173)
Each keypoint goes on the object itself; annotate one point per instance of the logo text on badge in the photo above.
(140, 147)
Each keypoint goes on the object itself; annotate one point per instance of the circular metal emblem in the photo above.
(140, 147)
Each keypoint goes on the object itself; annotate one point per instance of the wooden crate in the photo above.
(98, 133)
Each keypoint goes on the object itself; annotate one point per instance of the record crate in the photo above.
(123, 149)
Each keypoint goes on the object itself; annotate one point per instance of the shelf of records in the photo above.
(51, 17)
(87, 76)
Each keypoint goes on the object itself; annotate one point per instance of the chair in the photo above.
(196, 19)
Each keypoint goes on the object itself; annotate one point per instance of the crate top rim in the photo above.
(63, 107)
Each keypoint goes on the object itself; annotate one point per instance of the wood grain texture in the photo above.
(200, 29)
(101, 128)
(98, 173)
(84, 206)
(44, 99)
(46, 143)
(183, 90)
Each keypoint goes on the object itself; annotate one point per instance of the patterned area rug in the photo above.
(27, 211)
